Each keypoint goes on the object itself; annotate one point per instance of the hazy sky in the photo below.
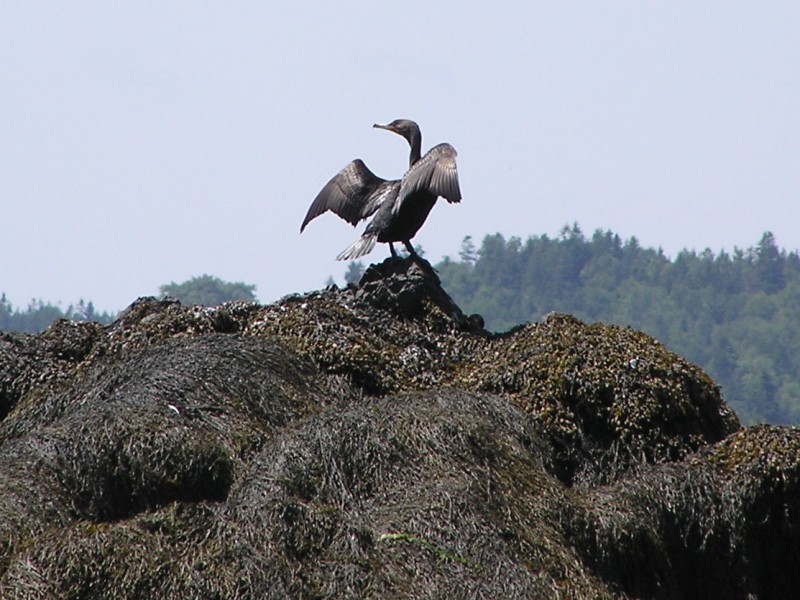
(149, 142)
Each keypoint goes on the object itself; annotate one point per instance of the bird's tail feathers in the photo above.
(359, 248)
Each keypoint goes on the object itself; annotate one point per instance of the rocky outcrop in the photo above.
(376, 442)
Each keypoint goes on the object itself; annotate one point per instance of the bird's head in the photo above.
(405, 127)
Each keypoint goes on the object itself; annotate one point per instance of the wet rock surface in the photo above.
(374, 441)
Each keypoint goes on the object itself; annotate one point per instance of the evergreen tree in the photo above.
(355, 269)
(468, 253)
(769, 262)
(6, 312)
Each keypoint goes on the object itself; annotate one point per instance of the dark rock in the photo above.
(376, 442)
(404, 286)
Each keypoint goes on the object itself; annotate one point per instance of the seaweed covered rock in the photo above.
(374, 441)
(721, 524)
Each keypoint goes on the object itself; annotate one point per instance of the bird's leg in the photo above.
(412, 254)
(417, 258)
(392, 250)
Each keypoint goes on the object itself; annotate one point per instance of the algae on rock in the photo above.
(374, 441)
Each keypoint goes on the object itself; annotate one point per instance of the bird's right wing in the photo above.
(354, 193)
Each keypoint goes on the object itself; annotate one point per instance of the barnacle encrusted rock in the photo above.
(374, 441)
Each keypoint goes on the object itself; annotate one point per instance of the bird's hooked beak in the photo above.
(386, 127)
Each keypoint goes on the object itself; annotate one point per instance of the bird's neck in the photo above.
(415, 141)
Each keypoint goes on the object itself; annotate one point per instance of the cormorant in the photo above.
(400, 206)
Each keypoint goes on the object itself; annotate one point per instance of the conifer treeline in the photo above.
(39, 315)
(204, 290)
(735, 314)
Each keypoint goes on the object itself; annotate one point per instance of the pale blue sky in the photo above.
(148, 142)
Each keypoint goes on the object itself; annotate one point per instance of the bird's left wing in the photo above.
(435, 172)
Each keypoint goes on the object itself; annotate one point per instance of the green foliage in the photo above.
(736, 315)
(208, 291)
(39, 315)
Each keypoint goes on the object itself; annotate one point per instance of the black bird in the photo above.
(400, 206)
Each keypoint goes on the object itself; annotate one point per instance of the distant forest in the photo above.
(204, 290)
(737, 315)
(39, 315)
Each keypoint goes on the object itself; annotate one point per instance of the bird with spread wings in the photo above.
(400, 206)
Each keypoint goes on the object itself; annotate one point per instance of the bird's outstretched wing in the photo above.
(354, 193)
(435, 172)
